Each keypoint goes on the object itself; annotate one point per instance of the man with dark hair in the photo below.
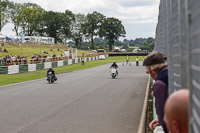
(156, 67)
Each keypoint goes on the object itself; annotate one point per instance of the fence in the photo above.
(178, 36)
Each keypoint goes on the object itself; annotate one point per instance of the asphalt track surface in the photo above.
(86, 101)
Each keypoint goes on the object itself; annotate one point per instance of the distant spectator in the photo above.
(58, 49)
(176, 111)
(4, 60)
(156, 67)
(2, 43)
(5, 50)
(137, 61)
(45, 52)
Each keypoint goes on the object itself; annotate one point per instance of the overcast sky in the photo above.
(139, 17)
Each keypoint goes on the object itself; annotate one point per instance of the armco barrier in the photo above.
(39, 66)
(3, 70)
(70, 62)
(13, 69)
(65, 62)
(31, 67)
(23, 68)
(76, 60)
(47, 65)
(54, 64)
(60, 63)
(73, 61)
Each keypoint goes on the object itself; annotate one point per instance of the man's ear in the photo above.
(175, 127)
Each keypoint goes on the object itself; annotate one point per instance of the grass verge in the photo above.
(6, 79)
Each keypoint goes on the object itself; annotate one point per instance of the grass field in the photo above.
(31, 49)
(6, 79)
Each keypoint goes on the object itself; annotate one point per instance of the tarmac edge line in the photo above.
(144, 109)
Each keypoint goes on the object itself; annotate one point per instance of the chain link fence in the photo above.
(178, 37)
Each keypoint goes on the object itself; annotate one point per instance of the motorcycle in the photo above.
(113, 72)
(50, 77)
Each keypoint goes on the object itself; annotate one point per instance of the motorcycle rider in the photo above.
(114, 65)
(53, 73)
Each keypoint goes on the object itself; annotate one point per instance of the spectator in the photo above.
(82, 61)
(176, 112)
(127, 59)
(5, 50)
(45, 52)
(137, 61)
(156, 66)
(2, 43)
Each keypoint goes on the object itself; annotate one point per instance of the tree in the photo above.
(4, 13)
(125, 46)
(145, 45)
(14, 12)
(77, 32)
(93, 25)
(67, 20)
(111, 30)
(29, 18)
(53, 23)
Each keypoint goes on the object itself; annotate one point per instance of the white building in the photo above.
(36, 39)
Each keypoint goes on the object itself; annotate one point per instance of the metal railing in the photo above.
(178, 37)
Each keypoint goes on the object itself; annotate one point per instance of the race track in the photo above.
(85, 101)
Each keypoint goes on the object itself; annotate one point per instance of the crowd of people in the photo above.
(16, 60)
(172, 111)
(12, 60)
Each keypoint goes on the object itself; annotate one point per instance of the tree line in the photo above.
(32, 20)
(129, 45)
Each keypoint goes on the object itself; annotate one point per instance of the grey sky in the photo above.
(139, 17)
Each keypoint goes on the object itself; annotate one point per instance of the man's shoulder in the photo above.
(159, 83)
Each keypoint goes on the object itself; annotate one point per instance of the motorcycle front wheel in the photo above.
(113, 75)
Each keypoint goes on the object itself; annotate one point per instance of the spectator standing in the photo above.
(127, 59)
(156, 67)
(82, 61)
(137, 61)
